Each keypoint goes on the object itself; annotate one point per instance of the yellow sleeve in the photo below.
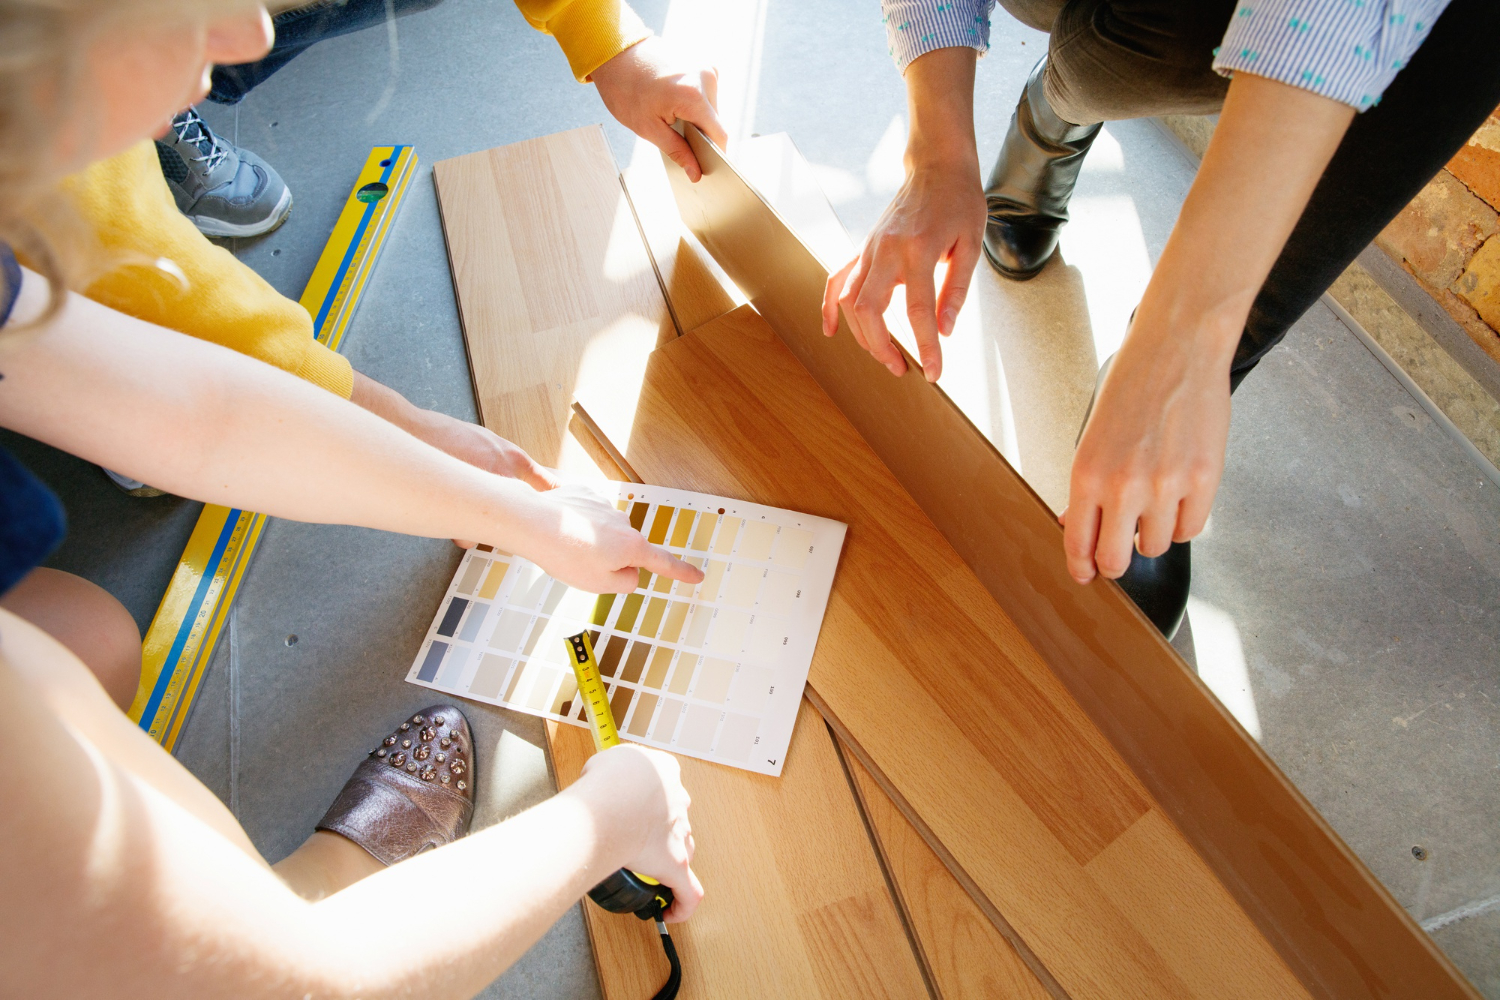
(125, 202)
(591, 32)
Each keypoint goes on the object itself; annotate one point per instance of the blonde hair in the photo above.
(43, 61)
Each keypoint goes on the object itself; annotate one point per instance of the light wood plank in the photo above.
(955, 709)
(1165, 889)
(555, 288)
(965, 954)
(696, 287)
(795, 902)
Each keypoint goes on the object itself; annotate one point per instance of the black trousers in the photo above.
(1114, 59)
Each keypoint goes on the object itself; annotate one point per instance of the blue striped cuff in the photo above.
(916, 27)
(1345, 50)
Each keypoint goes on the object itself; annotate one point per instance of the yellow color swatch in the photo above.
(657, 673)
(492, 580)
(659, 525)
(704, 533)
(675, 617)
(683, 675)
(724, 544)
(682, 528)
(651, 620)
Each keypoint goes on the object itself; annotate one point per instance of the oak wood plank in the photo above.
(555, 288)
(965, 953)
(955, 711)
(795, 905)
(1324, 911)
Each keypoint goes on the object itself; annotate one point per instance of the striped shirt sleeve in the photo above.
(916, 27)
(1346, 50)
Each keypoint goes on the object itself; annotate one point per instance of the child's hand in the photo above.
(582, 540)
(648, 810)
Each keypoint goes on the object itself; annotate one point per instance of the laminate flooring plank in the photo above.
(796, 904)
(965, 954)
(555, 288)
(696, 287)
(954, 708)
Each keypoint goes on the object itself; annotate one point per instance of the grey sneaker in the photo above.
(225, 190)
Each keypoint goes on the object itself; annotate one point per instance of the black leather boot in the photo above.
(1159, 586)
(1032, 181)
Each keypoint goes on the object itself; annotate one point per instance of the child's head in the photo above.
(81, 80)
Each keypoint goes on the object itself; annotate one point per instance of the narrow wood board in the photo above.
(795, 902)
(1309, 894)
(555, 288)
(696, 288)
(952, 709)
(965, 954)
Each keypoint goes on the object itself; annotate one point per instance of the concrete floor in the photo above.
(1345, 595)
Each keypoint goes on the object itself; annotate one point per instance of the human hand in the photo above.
(938, 215)
(580, 538)
(651, 817)
(1149, 462)
(647, 88)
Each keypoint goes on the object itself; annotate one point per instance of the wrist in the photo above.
(612, 813)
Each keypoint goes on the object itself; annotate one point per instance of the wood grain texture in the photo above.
(1327, 915)
(555, 288)
(797, 904)
(957, 712)
(696, 288)
(965, 954)
(795, 901)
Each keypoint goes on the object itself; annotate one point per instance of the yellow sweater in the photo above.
(126, 202)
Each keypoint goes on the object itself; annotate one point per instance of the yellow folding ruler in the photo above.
(193, 611)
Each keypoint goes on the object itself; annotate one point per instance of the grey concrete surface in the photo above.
(1344, 604)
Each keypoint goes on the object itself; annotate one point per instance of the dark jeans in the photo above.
(301, 27)
(1113, 59)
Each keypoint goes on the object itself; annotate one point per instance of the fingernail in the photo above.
(949, 316)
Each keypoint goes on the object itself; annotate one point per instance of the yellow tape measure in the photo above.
(591, 690)
(193, 611)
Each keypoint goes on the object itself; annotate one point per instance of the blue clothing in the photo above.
(31, 518)
(1345, 50)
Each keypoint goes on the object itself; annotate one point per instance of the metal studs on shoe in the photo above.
(413, 792)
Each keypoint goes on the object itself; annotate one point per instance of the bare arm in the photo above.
(117, 885)
(1153, 452)
(207, 423)
(937, 215)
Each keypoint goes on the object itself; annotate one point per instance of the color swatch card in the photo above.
(712, 670)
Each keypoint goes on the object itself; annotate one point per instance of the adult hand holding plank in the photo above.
(647, 88)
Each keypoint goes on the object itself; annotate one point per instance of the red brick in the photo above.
(1479, 285)
(1478, 163)
(1439, 231)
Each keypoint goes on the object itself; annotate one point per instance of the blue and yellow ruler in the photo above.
(193, 611)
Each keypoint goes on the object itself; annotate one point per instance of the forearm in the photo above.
(514, 881)
(940, 103)
(1269, 149)
(204, 422)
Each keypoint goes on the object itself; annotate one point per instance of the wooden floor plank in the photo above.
(958, 713)
(555, 288)
(965, 954)
(795, 905)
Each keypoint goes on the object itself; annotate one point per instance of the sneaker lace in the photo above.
(194, 131)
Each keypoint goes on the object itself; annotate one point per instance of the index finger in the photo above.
(869, 313)
(702, 114)
(921, 309)
(659, 560)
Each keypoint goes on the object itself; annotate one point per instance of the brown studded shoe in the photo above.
(412, 793)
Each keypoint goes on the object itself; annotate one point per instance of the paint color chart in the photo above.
(712, 670)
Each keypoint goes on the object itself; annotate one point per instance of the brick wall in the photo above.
(1449, 237)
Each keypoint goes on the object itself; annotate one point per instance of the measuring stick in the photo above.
(193, 611)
